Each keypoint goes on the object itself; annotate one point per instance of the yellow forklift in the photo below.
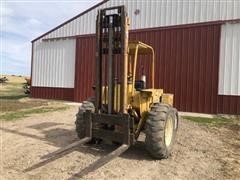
(123, 106)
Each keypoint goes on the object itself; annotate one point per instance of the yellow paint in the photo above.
(139, 101)
(168, 99)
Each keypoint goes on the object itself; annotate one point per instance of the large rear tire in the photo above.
(80, 125)
(161, 128)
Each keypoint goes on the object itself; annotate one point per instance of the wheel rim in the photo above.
(169, 130)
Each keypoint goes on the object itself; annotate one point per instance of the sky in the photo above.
(24, 20)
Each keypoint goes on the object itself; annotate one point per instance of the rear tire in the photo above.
(161, 128)
(80, 125)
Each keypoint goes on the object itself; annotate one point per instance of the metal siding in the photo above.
(52, 93)
(169, 13)
(186, 65)
(187, 57)
(85, 68)
(54, 64)
(229, 75)
(229, 105)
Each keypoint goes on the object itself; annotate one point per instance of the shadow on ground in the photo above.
(60, 137)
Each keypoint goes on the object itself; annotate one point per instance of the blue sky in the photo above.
(22, 21)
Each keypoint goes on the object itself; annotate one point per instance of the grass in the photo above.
(13, 98)
(13, 90)
(215, 121)
(26, 113)
(8, 105)
(13, 87)
(15, 104)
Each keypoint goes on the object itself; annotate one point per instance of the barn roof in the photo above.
(75, 17)
(151, 14)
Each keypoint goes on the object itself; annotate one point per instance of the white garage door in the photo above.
(229, 72)
(54, 63)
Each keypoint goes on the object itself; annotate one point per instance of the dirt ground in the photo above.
(199, 153)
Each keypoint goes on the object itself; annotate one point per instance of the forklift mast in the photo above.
(111, 43)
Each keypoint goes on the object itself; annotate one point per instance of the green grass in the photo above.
(15, 104)
(12, 90)
(7, 105)
(26, 113)
(13, 98)
(215, 121)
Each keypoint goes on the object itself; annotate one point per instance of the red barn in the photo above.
(197, 46)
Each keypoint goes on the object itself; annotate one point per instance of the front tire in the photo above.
(80, 125)
(161, 128)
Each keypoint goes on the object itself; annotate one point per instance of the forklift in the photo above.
(123, 105)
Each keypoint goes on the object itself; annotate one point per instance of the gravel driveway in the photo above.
(199, 153)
